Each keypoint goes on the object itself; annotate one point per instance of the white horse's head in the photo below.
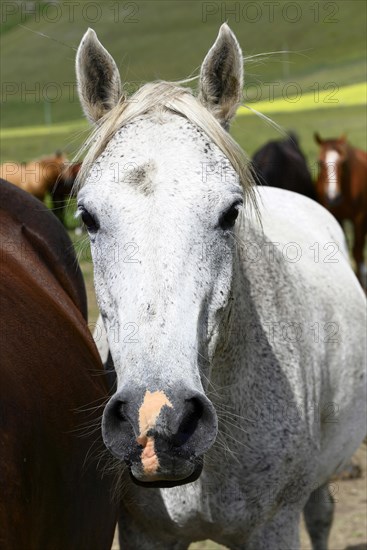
(160, 191)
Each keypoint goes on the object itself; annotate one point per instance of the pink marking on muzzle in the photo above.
(148, 414)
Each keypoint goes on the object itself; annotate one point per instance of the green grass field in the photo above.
(153, 39)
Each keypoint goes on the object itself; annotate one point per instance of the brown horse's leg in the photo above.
(358, 248)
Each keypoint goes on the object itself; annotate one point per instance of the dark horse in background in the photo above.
(342, 188)
(62, 190)
(52, 494)
(281, 163)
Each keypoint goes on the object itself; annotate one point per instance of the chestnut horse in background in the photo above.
(38, 177)
(341, 187)
(52, 491)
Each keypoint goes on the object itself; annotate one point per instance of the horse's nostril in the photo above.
(117, 411)
(192, 414)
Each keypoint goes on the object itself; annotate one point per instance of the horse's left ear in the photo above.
(317, 138)
(98, 77)
(221, 77)
(343, 138)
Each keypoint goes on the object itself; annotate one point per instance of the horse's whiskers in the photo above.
(229, 424)
(226, 412)
(89, 456)
(87, 407)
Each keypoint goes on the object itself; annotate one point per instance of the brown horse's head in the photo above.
(332, 157)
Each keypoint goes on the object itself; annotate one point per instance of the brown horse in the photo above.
(342, 188)
(38, 176)
(52, 494)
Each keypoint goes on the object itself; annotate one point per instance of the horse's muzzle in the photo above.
(161, 436)
(334, 202)
(172, 472)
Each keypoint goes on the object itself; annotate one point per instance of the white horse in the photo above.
(238, 346)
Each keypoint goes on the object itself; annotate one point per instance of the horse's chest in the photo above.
(202, 510)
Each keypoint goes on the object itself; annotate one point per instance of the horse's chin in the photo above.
(165, 479)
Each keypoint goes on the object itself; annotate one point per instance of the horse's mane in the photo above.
(162, 97)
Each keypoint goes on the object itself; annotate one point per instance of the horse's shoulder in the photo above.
(275, 199)
(294, 217)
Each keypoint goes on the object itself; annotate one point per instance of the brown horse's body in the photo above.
(349, 201)
(36, 177)
(52, 494)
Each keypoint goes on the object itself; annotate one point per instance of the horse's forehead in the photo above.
(332, 155)
(330, 149)
(164, 153)
(171, 139)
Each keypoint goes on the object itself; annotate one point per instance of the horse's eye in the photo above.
(89, 221)
(229, 217)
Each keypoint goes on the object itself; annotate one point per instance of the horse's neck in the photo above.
(358, 160)
(254, 375)
(252, 312)
(354, 171)
(348, 165)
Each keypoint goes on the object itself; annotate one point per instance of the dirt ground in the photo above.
(349, 531)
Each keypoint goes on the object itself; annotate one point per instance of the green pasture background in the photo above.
(168, 40)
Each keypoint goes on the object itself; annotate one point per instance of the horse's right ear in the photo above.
(98, 78)
(317, 138)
